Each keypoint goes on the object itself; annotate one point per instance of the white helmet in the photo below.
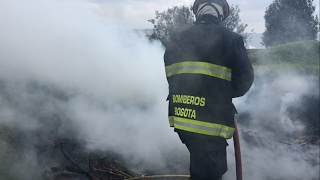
(223, 3)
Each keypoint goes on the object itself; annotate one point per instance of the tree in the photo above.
(289, 21)
(171, 21)
(177, 19)
(233, 23)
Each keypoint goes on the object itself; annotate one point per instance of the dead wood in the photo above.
(65, 175)
(160, 176)
(114, 171)
(74, 163)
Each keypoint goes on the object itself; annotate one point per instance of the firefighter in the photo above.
(206, 66)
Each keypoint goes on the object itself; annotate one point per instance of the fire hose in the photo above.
(237, 151)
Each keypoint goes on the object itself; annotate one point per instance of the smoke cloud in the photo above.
(65, 73)
(269, 127)
(63, 70)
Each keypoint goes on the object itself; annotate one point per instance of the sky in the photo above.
(106, 86)
(135, 13)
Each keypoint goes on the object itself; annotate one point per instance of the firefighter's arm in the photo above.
(242, 71)
(168, 55)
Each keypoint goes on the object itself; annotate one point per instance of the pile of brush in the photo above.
(78, 164)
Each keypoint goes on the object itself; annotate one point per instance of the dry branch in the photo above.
(82, 169)
(159, 176)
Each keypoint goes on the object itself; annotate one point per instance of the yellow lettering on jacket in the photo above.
(185, 112)
(187, 99)
(202, 101)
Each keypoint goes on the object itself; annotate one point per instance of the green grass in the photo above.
(302, 69)
(302, 56)
(4, 176)
(8, 134)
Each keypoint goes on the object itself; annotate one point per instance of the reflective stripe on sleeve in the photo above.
(203, 68)
(171, 122)
(201, 127)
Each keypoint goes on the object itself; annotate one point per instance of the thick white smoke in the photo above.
(269, 132)
(106, 86)
(117, 75)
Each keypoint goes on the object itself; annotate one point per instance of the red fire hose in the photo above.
(237, 152)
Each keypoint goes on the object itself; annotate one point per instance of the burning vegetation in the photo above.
(50, 148)
(79, 100)
(48, 145)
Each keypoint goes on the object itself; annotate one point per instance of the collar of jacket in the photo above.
(207, 19)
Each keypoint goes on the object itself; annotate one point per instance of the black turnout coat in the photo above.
(209, 63)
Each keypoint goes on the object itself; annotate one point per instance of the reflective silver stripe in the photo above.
(201, 127)
(218, 130)
(203, 68)
(171, 122)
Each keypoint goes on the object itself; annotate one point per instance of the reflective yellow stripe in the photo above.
(201, 127)
(199, 68)
(171, 122)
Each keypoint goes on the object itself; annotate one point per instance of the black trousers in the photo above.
(208, 157)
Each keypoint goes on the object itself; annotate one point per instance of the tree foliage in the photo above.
(233, 23)
(176, 19)
(171, 21)
(289, 21)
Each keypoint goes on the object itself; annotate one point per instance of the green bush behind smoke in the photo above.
(8, 137)
(301, 55)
